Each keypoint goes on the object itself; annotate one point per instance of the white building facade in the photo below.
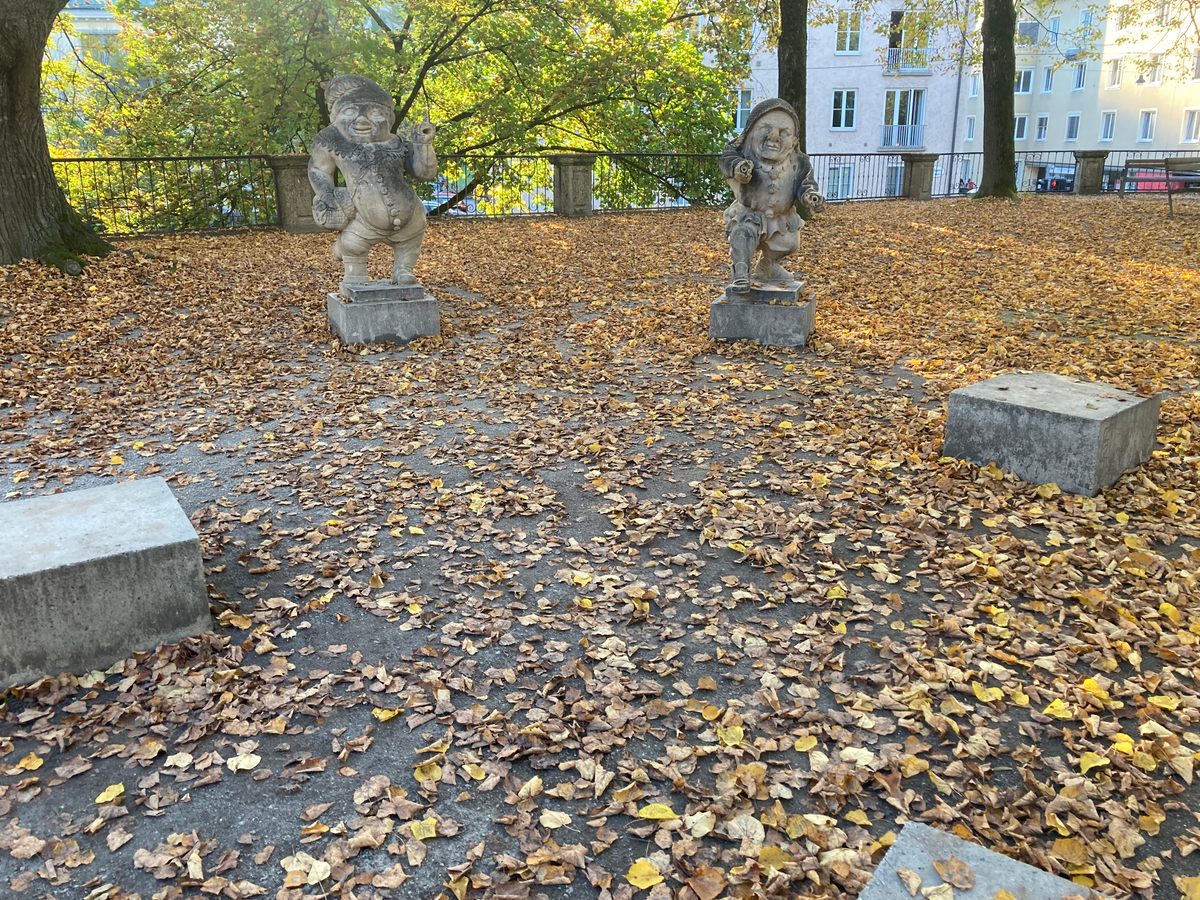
(1136, 90)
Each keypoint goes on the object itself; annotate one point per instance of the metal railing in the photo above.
(906, 59)
(956, 174)
(626, 181)
(169, 193)
(859, 176)
(908, 136)
(489, 186)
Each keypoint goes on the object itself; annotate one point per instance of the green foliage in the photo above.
(498, 76)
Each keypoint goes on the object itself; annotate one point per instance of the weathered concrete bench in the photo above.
(919, 851)
(1045, 428)
(87, 577)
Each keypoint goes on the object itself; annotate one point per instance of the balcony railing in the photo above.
(910, 136)
(907, 59)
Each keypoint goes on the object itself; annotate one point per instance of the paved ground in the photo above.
(572, 558)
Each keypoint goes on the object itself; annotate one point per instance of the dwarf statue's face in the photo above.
(364, 123)
(774, 136)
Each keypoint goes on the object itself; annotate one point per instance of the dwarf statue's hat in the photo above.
(355, 89)
(760, 110)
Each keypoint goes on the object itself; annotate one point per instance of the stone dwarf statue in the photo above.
(378, 203)
(770, 176)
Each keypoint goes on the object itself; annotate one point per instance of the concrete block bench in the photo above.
(87, 577)
(1046, 428)
(919, 846)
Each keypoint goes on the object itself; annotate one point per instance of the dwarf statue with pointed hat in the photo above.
(378, 203)
(770, 177)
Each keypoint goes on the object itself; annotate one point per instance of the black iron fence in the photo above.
(169, 193)
(150, 194)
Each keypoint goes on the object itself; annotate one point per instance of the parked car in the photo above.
(1058, 185)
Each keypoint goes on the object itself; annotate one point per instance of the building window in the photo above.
(1047, 80)
(973, 82)
(1080, 76)
(1154, 71)
(1043, 127)
(893, 180)
(849, 31)
(1086, 18)
(1027, 32)
(1146, 121)
(744, 105)
(1023, 82)
(1019, 124)
(970, 135)
(1115, 68)
(1055, 24)
(1191, 127)
(1196, 67)
(1072, 126)
(839, 185)
(1108, 124)
(1164, 13)
(844, 103)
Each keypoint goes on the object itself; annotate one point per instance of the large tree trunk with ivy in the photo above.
(35, 219)
(793, 59)
(999, 178)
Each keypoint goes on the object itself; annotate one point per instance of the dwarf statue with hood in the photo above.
(378, 203)
(770, 176)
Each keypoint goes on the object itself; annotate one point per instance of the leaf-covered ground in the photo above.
(574, 602)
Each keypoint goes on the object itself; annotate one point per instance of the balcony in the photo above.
(908, 137)
(907, 61)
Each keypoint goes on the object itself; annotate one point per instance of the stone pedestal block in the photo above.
(573, 173)
(1089, 171)
(379, 311)
(88, 577)
(293, 193)
(772, 316)
(919, 846)
(918, 175)
(1046, 428)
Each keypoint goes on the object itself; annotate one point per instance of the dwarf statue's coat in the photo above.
(378, 203)
(770, 177)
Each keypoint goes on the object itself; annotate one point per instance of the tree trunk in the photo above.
(35, 219)
(793, 60)
(999, 178)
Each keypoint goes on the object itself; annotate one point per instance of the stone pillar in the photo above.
(918, 175)
(293, 193)
(573, 184)
(1089, 171)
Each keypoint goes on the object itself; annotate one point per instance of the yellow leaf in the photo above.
(1002, 894)
(243, 763)
(1058, 709)
(423, 829)
(116, 460)
(986, 694)
(731, 736)
(1169, 610)
(806, 743)
(476, 772)
(837, 592)
(773, 858)
(110, 793)
(1048, 491)
(1071, 850)
(414, 608)
(385, 715)
(583, 579)
(1164, 702)
(553, 819)
(30, 762)
(657, 811)
(1188, 887)
(710, 712)
(1089, 760)
(414, 529)
(429, 771)
(643, 874)
(839, 628)
(859, 817)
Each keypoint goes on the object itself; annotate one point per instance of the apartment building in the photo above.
(877, 83)
(95, 31)
(1134, 89)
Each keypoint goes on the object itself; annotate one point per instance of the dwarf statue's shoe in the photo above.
(741, 278)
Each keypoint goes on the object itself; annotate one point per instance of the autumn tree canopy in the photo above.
(238, 76)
